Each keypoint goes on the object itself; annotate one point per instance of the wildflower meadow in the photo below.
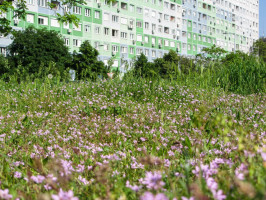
(138, 139)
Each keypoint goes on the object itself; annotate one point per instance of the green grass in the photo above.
(111, 132)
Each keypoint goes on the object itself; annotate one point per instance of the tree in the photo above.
(19, 11)
(259, 48)
(140, 65)
(170, 64)
(35, 48)
(214, 52)
(86, 64)
(19, 8)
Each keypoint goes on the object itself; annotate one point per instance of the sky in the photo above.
(262, 17)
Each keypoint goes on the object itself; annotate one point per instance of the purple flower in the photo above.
(64, 195)
(133, 187)
(263, 155)
(4, 194)
(219, 195)
(17, 175)
(38, 178)
(153, 180)
(185, 198)
(150, 196)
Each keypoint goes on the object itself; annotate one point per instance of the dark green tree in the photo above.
(37, 48)
(142, 68)
(170, 65)
(86, 64)
(259, 48)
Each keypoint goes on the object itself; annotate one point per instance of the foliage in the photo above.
(4, 66)
(19, 11)
(214, 52)
(131, 139)
(259, 48)
(141, 66)
(34, 48)
(19, 8)
(242, 73)
(86, 64)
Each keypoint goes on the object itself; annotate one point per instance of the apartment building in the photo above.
(126, 28)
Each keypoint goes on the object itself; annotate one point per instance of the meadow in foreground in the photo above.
(130, 140)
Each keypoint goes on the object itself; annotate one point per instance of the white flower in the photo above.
(50, 76)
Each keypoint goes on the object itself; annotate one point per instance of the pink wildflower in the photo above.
(153, 180)
(64, 195)
(150, 196)
(4, 194)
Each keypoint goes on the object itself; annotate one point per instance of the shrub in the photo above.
(86, 64)
(242, 74)
(35, 48)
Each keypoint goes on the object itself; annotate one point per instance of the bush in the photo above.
(242, 74)
(86, 64)
(36, 48)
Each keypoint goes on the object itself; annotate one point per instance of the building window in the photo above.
(55, 23)
(131, 36)
(153, 53)
(146, 25)
(115, 18)
(115, 48)
(123, 49)
(66, 25)
(30, 2)
(131, 50)
(131, 8)
(123, 20)
(43, 3)
(87, 28)
(66, 41)
(160, 28)
(30, 18)
(123, 6)
(146, 39)
(139, 51)
(96, 45)
(77, 28)
(42, 20)
(166, 30)
(139, 10)
(166, 17)
(87, 12)
(153, 41)
(97, 14)
(114, 33)
(139, 24)
(76, 43)
(124, 35)
(77, 10)
(172, 44)
(97, 30)
(115, 4)
(139, 38)
(106, 47)
(146, 52)
(106, 31)
(106, 16)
